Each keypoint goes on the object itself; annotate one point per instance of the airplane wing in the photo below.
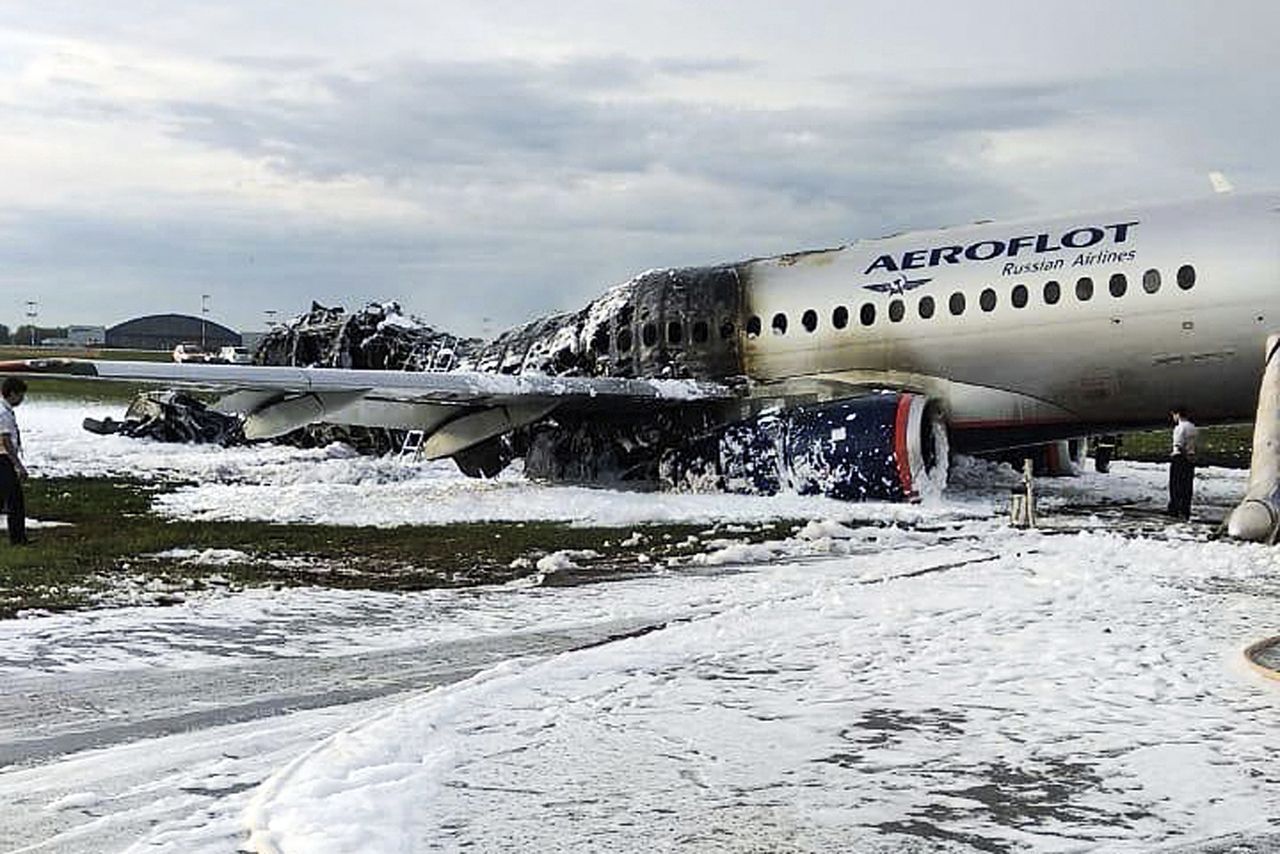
(456, 409)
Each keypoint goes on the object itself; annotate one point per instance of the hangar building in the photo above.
(166, 331)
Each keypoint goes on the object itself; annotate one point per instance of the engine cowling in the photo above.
(889, 446)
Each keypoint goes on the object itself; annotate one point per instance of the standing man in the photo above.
(12, 472)
(1182, 464)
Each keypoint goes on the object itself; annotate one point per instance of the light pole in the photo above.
(33, 311)
(204, 315)
(271, 317)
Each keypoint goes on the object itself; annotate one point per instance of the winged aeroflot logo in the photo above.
(897, 286)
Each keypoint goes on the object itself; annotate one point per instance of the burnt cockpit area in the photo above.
(675, 323)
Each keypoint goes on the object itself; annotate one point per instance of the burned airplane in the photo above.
(814, 371)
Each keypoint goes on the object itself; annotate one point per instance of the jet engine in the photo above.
(889, 446)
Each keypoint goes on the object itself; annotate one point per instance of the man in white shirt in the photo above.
(1182, 464)
(12, 472)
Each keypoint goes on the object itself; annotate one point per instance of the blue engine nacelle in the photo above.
(889, 446)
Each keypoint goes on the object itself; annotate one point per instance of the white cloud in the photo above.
(122, 73)
(530, 154)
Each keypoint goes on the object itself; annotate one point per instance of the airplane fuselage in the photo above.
(834, 371)
(1059, 325)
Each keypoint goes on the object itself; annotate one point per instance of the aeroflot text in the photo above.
(986, 250)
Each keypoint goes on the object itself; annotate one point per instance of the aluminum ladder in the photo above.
(413, 442)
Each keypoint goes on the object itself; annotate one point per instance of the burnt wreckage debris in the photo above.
(171, 416)
(174, 416)
(378, 337)
(676, 323)
(667, 324)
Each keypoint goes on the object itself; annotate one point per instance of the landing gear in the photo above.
(1104, 450)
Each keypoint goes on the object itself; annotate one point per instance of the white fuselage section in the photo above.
(1174, 308)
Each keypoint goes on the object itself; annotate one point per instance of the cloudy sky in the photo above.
(485, 162)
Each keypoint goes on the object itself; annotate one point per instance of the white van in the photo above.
(235, 355)
(188, 352)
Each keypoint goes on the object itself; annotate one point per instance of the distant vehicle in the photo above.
(188, 352)
(235, 356)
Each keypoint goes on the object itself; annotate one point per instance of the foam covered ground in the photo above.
(938, 682)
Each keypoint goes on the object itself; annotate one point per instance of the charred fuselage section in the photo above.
(677, 324)
(668, 324)
(378, 337)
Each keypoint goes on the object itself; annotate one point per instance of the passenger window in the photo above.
(867, 314)
(675, 332)
(1151, 281)
(1186, 277)
(1019, 296)
(1118, 285)
(840, 317)
(624, 340)
(753, 327)
(726, 330)
(956, 303)
(600, 339)
(897, 310)
(1084, 289)
(988, 300)
(809, 321)
(649, 335)
(700, 332)
(779, 324)
(1052, 293)
(925, 307)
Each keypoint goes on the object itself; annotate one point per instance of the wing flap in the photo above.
(475, 427)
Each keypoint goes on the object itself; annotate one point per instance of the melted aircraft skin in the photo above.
(673, 323)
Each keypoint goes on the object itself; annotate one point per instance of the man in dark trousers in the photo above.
(12, 472)
(1182, 464)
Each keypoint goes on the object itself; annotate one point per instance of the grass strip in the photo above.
(112, 532)
(1229, 445)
